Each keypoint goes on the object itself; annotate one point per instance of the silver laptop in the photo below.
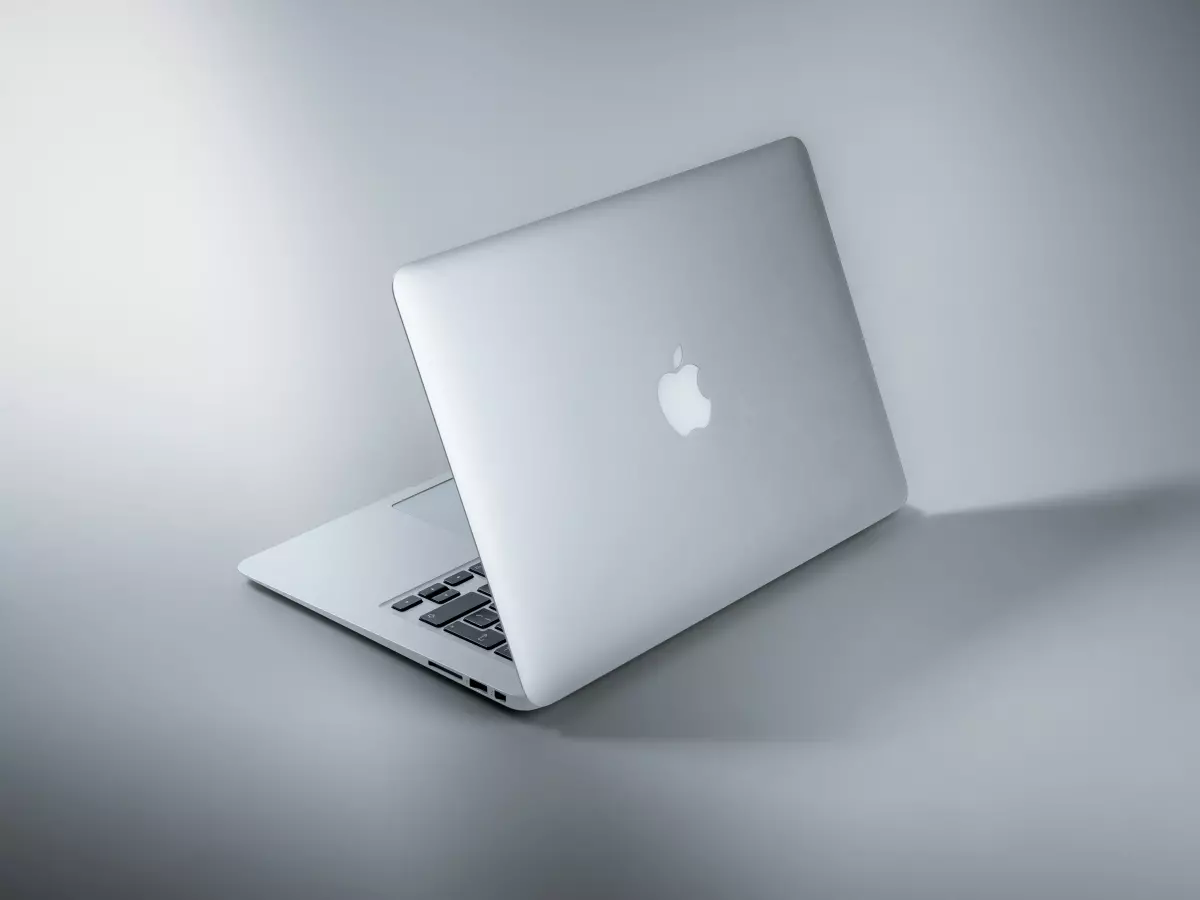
(651, 405)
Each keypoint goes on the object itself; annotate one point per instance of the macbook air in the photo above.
(651, 406)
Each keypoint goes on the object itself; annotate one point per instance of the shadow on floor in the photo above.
(815, 653)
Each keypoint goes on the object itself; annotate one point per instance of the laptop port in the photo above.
(478, 685)
(442, 668)
(503, 698)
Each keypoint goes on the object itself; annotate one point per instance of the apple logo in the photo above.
(679, 396)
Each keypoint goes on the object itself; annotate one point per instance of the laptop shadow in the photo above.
(817, 654)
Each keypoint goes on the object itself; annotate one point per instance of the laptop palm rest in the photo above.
(369, 556)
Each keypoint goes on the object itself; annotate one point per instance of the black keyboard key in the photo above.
(478, 570)
(485, 618)
(447, 594)
(505, 652)
(485, 589)
(406, 603)
(499, 626)
(457, 578)
(428, 592)
(485, 639)
(457, 607)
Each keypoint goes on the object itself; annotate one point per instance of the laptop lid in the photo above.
(652, 405)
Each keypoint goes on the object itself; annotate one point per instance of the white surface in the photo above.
(1013, 195)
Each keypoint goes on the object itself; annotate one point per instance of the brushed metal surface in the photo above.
(350, 570)
(541, 350)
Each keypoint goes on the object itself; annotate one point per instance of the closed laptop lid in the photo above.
(652, 405)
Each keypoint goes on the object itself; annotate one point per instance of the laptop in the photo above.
(651, 406)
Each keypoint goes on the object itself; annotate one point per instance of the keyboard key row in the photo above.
(456, 608)
(471, 617)
(486, 639)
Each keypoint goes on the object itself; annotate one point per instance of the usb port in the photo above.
(478, 685)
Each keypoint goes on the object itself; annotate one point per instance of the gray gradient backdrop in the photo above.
(993, 694)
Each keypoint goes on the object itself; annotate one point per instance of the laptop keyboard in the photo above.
(461, 605)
